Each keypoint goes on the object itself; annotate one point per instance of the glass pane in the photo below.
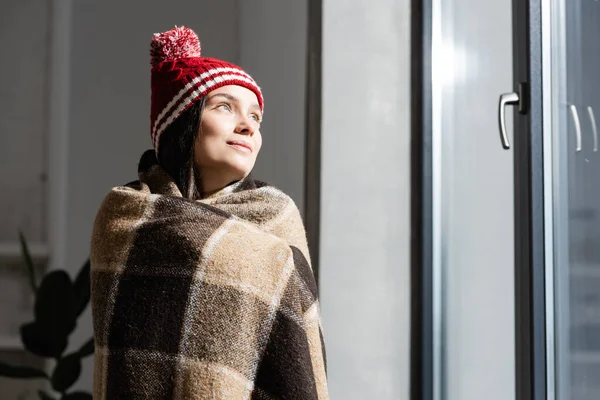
(477, 217)
(576, 111)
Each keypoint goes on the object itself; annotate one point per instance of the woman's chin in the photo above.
(241, 167)
(239, 172)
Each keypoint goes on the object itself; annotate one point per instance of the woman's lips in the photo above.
(242, 146)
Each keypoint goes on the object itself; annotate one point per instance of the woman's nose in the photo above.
(245, 126)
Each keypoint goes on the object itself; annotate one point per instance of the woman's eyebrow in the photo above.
(234, 99)
(226, 95)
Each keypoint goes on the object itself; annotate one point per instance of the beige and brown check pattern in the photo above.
(213, 299)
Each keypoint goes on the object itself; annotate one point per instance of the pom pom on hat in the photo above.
(179, 42)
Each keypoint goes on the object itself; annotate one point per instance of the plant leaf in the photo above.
(77, 396)
(81, 287)
(66, 373)
(41, 342)
(28, 262)
(54, 305)
(45, 396)
(87, 349)
(20, 372)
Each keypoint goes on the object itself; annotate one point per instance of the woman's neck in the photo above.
(212, 184)
(209, 193)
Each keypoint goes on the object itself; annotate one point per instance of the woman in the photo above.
(201, 279)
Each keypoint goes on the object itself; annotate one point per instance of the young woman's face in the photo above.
(229, 138)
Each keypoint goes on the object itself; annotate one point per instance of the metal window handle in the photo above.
(577, 124)
(505, 99)
(594, 130)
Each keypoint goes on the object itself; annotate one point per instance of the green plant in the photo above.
(58, 304)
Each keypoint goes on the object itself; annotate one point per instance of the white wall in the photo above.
(364, 264)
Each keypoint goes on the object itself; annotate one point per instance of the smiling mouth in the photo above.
(245, 147)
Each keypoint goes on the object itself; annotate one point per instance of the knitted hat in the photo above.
(180, 76)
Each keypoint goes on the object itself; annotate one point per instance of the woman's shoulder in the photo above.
(274, 191)
(118, 198)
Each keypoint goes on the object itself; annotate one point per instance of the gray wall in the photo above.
(110, 93)
(364, 263)
(110, 100)
(23, 126)
(273, 41)
(100, 109)
(23, 117)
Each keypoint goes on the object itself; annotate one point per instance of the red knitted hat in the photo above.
(180, 76)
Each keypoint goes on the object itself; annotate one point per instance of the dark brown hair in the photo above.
(176, 151)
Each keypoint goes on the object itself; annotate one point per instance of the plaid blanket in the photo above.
(208, 299)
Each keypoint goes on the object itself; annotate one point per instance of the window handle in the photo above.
(577, 125)
(594, 130)
(505, 99)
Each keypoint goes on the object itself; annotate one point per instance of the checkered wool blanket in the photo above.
(212, 299)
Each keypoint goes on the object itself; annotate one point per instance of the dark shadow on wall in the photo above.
(312, 183)
(422, 371)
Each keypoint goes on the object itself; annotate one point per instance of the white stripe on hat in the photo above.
(194, 94)
(187, 87)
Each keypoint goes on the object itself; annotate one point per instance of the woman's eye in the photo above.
(255, 117)
(224, 107)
